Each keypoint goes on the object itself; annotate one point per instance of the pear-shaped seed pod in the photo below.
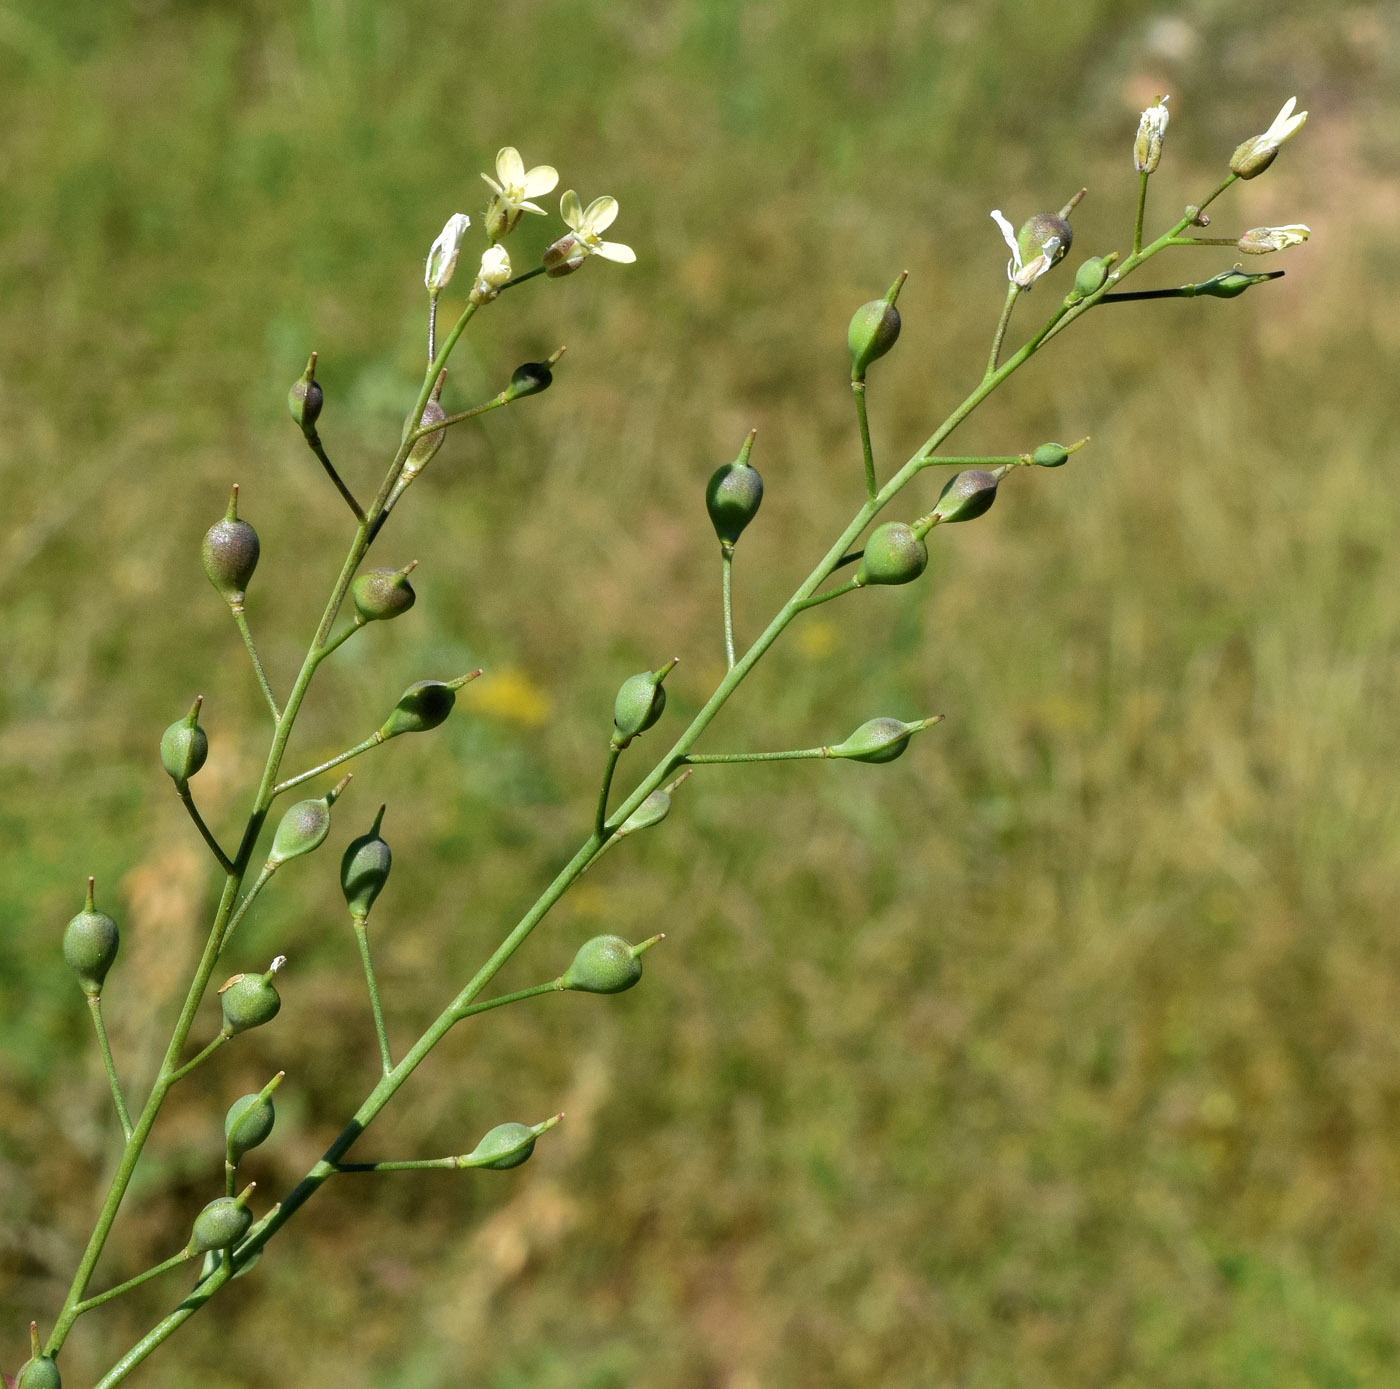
(967, 496)
(422, 706)
(90, 942)
(878, 740)
(39, 1373)
(303, 828)
(184, 746)
(506, 1146)
(894, 554)
(530, 378)
(606, 965)
(639, 703)
(1047, 234)
(1090, 276)
(364, 869)
(733, 495)
(230, 552)
(248, 1123)
(306, 398)
(874, 329)
(250, 1000)
(223, 1222)
(380, 594)
(1050, 456)
(420, 455)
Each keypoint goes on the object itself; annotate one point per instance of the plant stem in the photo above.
(601, 814)
(340, 638)
(1141, 211)
(182, 1257)
(202, 1056)
(118, 1099)
(361, 925)
(867, 452)
(697, 759)
(313, 441)
(224, 861)
(373, 741)
(726, 586)
(261, 881)
(241, 619)
(1012, 294)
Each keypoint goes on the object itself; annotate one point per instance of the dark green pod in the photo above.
(222, 1223)
(733, 496)
(606, 965)
(506, 1146)
(90, 942)
(184, 746)
(379, 594)
(639, 703)
(306, 398)
(364, 869)
(230, 553)
(967, 496)
(422, 706)
(894, 554)
(530, 378)
(250, 1000)
(41, 1372)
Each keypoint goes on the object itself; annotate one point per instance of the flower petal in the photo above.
(542, 179)
(1009, 235)
(571, 210)
(532, 207)
(616, 251)
(600, 214)
(495, 187)
(510, 168)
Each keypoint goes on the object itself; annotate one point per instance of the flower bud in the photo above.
(894, 554)
(305, 399)
(874, 329)
(304, 827)
(379, 594)
(880, 740)
(184, 746)
(249, 1000)
(966, 496)
(230, 553)
(364, 869)
(507, 1145)
(1152, 128)
(442, 257)
(423, 705)
(249, 1121)
(90, 944)
(222, 1223)
(529, 379)
(493, 274)
(733, 495)
(1090, 276)
(639, 703)
(1050, 456)
(606, 965)
(564, 256)
(1255, 155)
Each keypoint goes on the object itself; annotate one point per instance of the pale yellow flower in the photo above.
(513, 187)
(588, 224)
(1254, 156)
(494, 272)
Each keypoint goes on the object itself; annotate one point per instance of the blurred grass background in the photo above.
(1064, 1052)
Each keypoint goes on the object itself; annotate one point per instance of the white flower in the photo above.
(587, 224)
(1254, 156)
(494, 272)
(513, 187)
(442, 259)
(1152, 128)
(1025, 275)
(1261, 240)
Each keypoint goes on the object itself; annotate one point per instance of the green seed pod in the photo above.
(894, 554)
(606, 965)
(879, 740)
(1090, 277)
(230, 553)
(1050, 456)
(249, 1121)
(303, 828)
(90, 944)
(364, 869)
(967, 496)
(41, 1372)
(1230, 283)
(423, 705)
(423, 449)
(506, 1146)
(380, 594)
(733, 495)
(184, 746)
(305, 399)
(222, 1223)
(652, 811)
(639, 703)
(1046, 234)
(874, 329)
(529, 379)
(249, 1000)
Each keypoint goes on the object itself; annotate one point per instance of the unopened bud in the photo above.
(250, 1000)
(230, 553)
(733, 495)
(379, 594)
(90, 942)
(364, 869)
(564, 256)
(606, 965)
(894, 554)
(442, 258)
(493, 274)
(184, 746)
(1152, 128)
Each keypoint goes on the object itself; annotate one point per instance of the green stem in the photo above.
(314, 442)
(361, 924)
(373, 741)
(225, 862)
(554, 986)
(340, 638)
(697, 759)
(818, 599)
(166, 1326)
(601, 814)
(726, 586)
(867, 452)
(261, 882)
(1012, 294)
(494, 403)
(118, 1099)
(200, 1058)
(241, 619)
(521, 278)
(1141, 211)
(89, 1303)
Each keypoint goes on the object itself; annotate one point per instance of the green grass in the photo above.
(1061, 1053)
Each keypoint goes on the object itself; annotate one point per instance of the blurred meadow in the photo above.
(1064, 1052)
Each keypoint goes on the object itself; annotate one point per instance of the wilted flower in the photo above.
(1047, 235)
(513, 187)
(1254, 156)
(494, 272)
(442, 259)
(1147, 148)
(1260, 241)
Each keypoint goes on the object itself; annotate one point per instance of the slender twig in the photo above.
(241, 619)
(118, 1099)
(432, 427)
(313, 440)
(1141, 211)
(697, 759)
(432, 325)
(867, 452)
(1012, 294)
(373, 741)
(726, 562)
(362, 938)
(267, 871)
(340, 638)
(185, 795)
(199, 1058)
(601, 814)
(554, 986)
(818, 599)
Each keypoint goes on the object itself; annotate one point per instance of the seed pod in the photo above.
(424, 448)
(529, 379)
(894, 554)
(380, 594)
(733, 495)
(304, 827)
(606, 965)
(1090, 276)
(364, 869)
(40, 1372)
(184, 746)
(506, 1146)
(873, 330)
(90, 944)
(652, 811)
(639, 703)
(1050, 456)
(222, 1223)
(966, 496)
(230, 553)
(249, 1000)
(1046, 234)
(423, 705)
(249, 1121)
(305, 399)
(879, 740)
